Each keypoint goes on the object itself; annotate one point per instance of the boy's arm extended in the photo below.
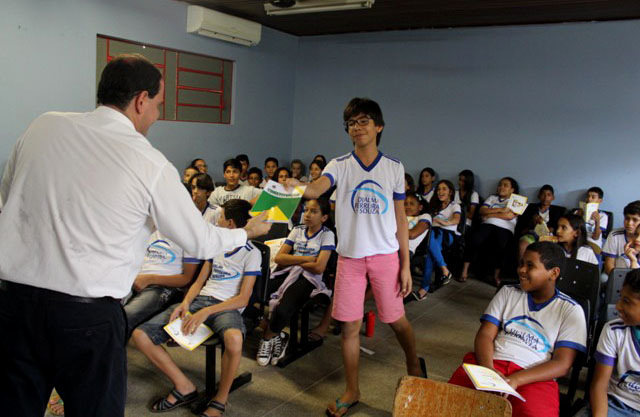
(314, 189)
(483, 344)
(557, 366)
(402, 234)
(598, 390)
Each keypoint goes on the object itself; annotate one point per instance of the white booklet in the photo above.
(517, 203)
(190, 341)
(485, 379)
(588, 209)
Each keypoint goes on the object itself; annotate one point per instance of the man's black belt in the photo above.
(22, 289)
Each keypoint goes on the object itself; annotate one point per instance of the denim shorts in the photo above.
(218, 322)
(147, 303)
(616, 409)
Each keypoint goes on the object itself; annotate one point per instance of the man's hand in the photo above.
(257, 226)
(180, 311)
(192, 322)
(141, 282)
(405, 281)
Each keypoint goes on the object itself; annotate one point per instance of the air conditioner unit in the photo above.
(207, 22)
(316, 6)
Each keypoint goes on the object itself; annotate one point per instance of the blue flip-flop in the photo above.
(340, 406)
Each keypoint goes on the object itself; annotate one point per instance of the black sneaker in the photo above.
(280, 344)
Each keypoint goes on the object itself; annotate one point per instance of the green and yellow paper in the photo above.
(279, 203)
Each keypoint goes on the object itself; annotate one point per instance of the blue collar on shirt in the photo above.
(372, 165)
(205, 208)
(537, 307)
(306, 230)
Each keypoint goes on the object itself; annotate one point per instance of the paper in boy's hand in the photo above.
(517, 203)
(279, 202)
(485, 379)
(190, 341)
(588, 209)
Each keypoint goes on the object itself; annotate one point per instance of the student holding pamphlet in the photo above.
(530, 334)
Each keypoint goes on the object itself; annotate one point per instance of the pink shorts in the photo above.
(383, 272)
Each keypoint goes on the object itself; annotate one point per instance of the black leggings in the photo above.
(491, 239)
(292, 300)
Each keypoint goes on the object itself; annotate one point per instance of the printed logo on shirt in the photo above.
(630, 381)
(218, 273)
(366, 199)
(529, 332)
(303, 250)
(159, 252)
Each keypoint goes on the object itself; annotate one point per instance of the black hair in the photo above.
(410, 183)
(435, 205)
(469, 182)
(632, 280)
(193, 163)
(321, 158)
(125, 77)
(514, 184)
(303, 169)
(420, 200)
(277, 173)
(237, 210)
(271, 159)
(318, 162)
(243, 158)
(632, 208)
(596, 190)
(203, 181)
(233, 163)
(420, 189)
(551, 254)
(546, 187)
(577, 223)
(255, 170)
(366, 106)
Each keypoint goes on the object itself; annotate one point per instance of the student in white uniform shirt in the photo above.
(615, 388)
(613, 250)
(233, 189)
(599, 221)
(466, 196)
(201, 189)
(419, 221)
(255, 177)
(298, 170)
(373, 244)
(425, 183)
(217, 299)
(572, 237)
(81, 193)
(244, 172)
(270, 166)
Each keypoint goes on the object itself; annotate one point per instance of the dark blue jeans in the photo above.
(149, 302)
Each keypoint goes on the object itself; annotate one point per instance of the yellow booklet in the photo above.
(190, 341)
(588, 209)
(485, 379)
(517, 203)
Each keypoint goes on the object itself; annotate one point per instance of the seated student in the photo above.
(201, 189)
(233, 189)
(216, 299)
(409, 185)
(572, 237)
(425, 184)
(302, 259)
(498, 224)
(614, 247)
(270, 166)
(615, 389)
(254, 178)
(281, 175)
(315, 170)
(446, 217)
(298, 170)
(536, 213)
(530, 335)
(186, 176)
(321, 158)
(632, 250)
(199, 164)
(599, 221)
(466, 196)
(244, 172)
(419, 221)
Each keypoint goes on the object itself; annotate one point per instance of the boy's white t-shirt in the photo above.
(228, 269)
(304, 245)
(474, 201)
(365, 196)
(496, 202)
(413, 221)
(591, 228)
(614, 248)
(619, 349)
(220, 195)
(164, 257)
(529, 333)
(211, 213)
(585, 253)
(446, 214)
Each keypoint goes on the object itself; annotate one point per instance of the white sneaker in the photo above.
(264, 351)
(280, 344)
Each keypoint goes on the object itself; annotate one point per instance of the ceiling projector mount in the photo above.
(284, 7)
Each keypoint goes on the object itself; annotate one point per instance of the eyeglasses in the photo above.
(360, 122)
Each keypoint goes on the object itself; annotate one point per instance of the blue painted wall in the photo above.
(556, 104)
(47, 62)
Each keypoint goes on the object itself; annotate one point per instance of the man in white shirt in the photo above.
(79, 197)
